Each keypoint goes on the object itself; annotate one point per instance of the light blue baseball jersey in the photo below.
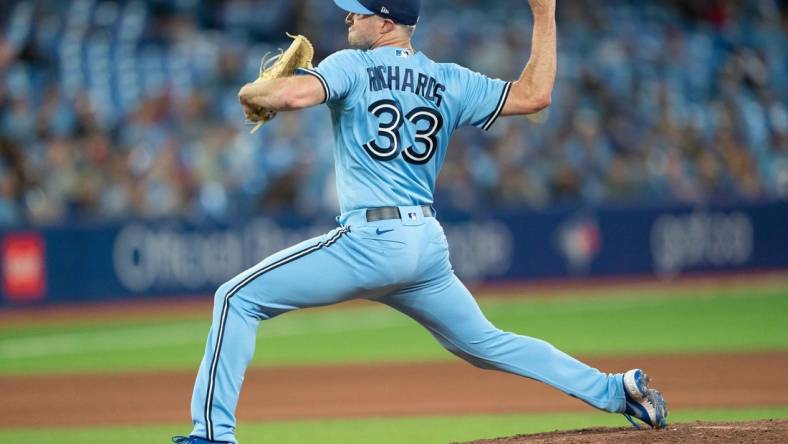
(393, 113)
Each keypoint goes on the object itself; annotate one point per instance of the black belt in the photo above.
(385, 213)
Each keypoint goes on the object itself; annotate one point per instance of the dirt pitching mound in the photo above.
(767, 431)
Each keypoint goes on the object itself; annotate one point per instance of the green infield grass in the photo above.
(698, 320)
(378, 431)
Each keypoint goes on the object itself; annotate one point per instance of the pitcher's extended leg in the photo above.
(447, 309)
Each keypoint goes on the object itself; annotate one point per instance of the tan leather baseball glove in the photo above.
(284, 64)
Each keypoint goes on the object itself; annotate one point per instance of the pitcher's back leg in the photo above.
(313, 273)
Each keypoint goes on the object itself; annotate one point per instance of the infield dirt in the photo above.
(688, 381)
(697, 433)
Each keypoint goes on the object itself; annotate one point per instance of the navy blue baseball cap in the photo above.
(405, 12)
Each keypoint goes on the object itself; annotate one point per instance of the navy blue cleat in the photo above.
(194, 440)
(644, 403)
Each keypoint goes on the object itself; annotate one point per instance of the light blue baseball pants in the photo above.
(403, 263)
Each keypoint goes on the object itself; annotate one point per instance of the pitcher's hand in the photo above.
(542, 7)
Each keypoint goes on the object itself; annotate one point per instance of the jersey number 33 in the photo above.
(391, 117)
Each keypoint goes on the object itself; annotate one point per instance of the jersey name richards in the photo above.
(393, 113)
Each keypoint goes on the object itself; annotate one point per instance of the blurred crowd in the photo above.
(127, 109)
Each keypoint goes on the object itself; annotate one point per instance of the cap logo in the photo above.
(384, 10)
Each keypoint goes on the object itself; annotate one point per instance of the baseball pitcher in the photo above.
(393, 112)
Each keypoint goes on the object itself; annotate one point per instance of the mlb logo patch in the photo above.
(384, 10)
(402, 53)
(411, 216)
